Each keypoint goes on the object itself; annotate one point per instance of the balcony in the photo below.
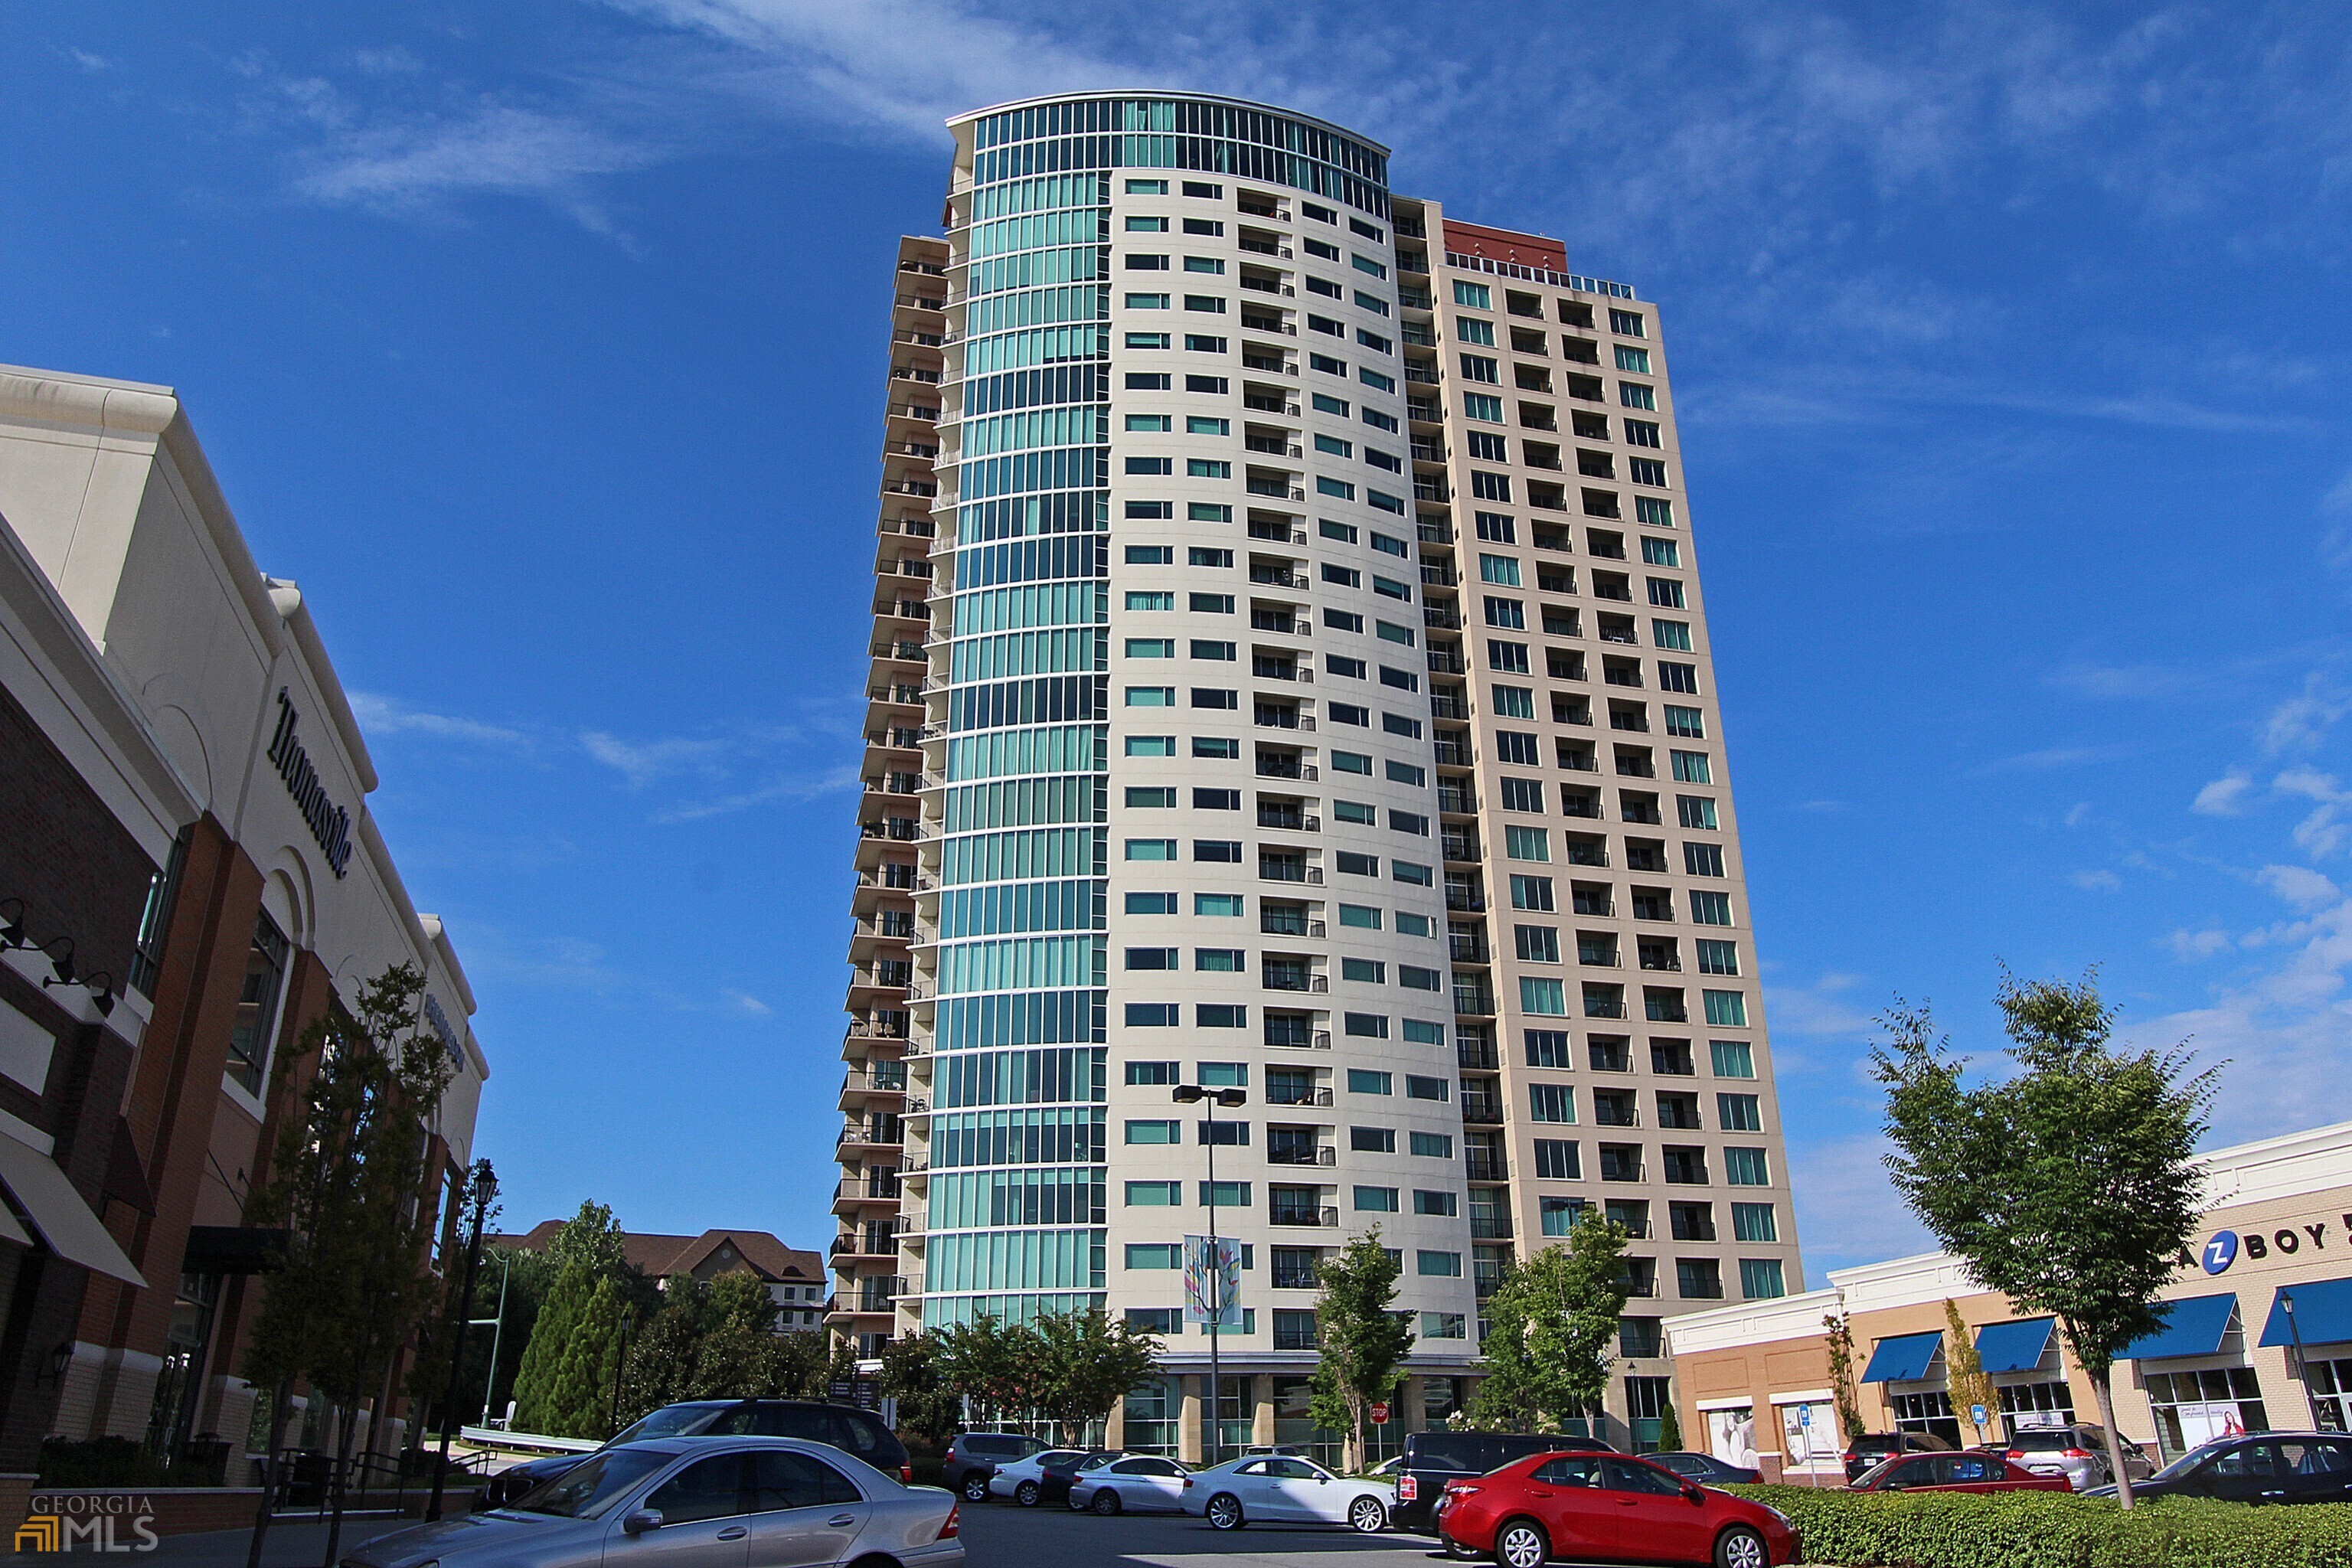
(1279, 1155)
(1325, 1218)
(1487, 1165)
(1414, 372)
(1468, 947)
(1278, 491)
(1477, 1055)
(1431, 490)
(1473, 1000)
(1482, 1110)
(1297, 1096)
(1272, 445)
(1490, 1226)
(1466, 899)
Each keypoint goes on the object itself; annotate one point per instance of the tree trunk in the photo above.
(343, 1440)
(2102, 1389)
(269, 1471)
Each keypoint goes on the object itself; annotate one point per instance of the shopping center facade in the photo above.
(2271, 1265)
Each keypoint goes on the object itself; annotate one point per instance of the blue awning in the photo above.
(1903, 1359)
(2323, 1314)
(2193, 1325)
(2015, 1346)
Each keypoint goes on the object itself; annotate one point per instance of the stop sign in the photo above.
(1381, 1412)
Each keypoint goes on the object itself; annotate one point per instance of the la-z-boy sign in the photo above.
(2224, 1247)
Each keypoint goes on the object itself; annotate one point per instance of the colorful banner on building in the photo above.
(1212, 1280)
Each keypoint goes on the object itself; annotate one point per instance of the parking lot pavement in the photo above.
(1001, 1535)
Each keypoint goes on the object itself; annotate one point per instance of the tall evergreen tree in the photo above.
(1363, 1340)
(2069, 1186)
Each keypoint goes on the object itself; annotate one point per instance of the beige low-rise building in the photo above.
(2273, 1271)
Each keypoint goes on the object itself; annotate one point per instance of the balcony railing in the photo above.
(1325, 1218)
(1293, 1156)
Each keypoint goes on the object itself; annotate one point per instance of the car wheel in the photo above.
(1522, 1543)
(1741, 1548)
(1028, 1493)
(975, 1487)
(1106, 1503)
(1226, 1512)
(1366, 1515)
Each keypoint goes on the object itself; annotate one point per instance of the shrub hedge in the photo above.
(2047, 1529)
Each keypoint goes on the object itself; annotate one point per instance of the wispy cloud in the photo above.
(2097, 881)
(2051, 758)
(416, 165)
(790, 787)
(641, 762)
(382, 715)
(2225, 796)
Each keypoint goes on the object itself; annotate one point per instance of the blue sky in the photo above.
(542, 344)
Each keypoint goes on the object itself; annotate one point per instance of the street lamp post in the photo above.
(1189, 1094)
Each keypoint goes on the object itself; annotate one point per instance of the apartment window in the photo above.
(1691, 767)
(1444, 1326)
(1739, 1112)
(1682, 1166)
(1222, 1133)
(1147, 264)
(1654, 511)
(1542, 999)
(1718, 957)
(1497, 528)
(1523, 795)
(1703, 859)
(1200, 344)
(1150, 904)
(1365, 1081)
(1419, 1088)
(1711, 908)
(1634, 359)
(1634, 395)
(1144, 381)
(1371, 1139)
(1485, 486)
(1538, 944)
(1153, 1015)
(1644, 433)
(1474, 295)
(1153, 1130)
(1219, 905)
(1225, 1195)
(1726, 1008)
(1208, 264)
(1145, 340)
(1558, 1160)
(1145, 798)
(1695, 811)
(1501, 570)
(1211, 603)
(1437, 1265)
(1154, 1195)
(1673, 635)
(1626, 323)
(1377, 1200)
(1151, 958)
(1294, 1330)
(1514, 702)
(1754, 1222)
(1443, 1204)
(1517, 748)
(1699, 1278)
(1547, 1047)
(1551, 1102)
(1204, 384)
(1479, 367)
(1482, 406)
(1531, 893)
(1432, 1145)
(1151, 601)
(1733, 1059)
(1366, 1026)
(1219, 960)
(1746, 1168)
(1213, 650)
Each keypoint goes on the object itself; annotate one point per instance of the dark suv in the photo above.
(851, 1430)
(973, 1457)
(1435, 1459)
(1873, 1448)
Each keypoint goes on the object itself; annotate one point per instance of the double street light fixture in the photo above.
(1209, 1099)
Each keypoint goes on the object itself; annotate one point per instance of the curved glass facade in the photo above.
(1205, 134)
(1013, 1213)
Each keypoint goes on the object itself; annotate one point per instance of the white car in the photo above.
(1279, 1488)
(1141, 1483)
(1024, 1481)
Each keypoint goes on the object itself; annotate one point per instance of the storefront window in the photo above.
(2195, 1407)
(2037, 1405)
(1731, 1436)
(1809, 1434)
(179, 1383)
(1440, 1398)
(1293, 1421)
(1928, 1411)
(1152, 1413)
(2330, 1386)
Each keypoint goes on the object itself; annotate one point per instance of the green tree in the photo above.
(663, 1354)
(1965, 1383)
(2067, 1187)
(982, 1359)
(1078, 1365)
(1551, 1330)
(797, 1365)
(929, 1409)
(1840, 1335)
(565, 1388)
(345, 1179)
(1362, 1338)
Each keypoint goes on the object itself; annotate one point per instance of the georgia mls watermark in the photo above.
(92, 1522)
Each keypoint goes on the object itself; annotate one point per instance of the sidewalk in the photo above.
(293, 1544)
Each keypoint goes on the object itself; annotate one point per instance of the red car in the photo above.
(1974, 1470)
(1607, 1508)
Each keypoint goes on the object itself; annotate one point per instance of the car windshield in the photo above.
(2192, 1459)
(592, 1486)
(670, 1421)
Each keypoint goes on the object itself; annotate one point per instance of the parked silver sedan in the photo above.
(694, 1502)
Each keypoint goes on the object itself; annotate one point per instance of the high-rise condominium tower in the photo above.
(1290, 676)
